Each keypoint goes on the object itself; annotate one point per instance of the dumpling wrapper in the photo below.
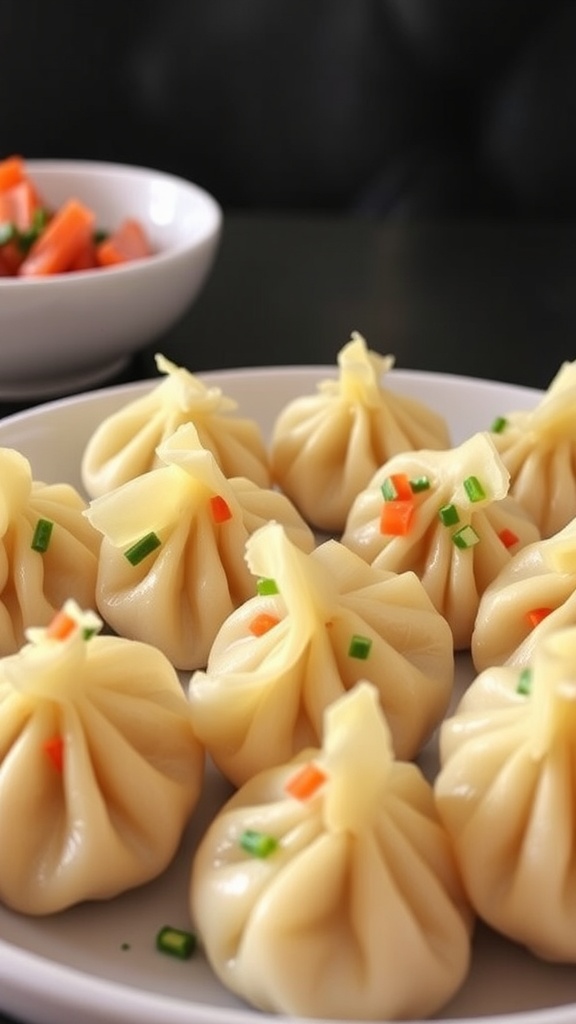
(538, 447)
(125, 444)
(531, 597)
(326, 447)
(34, 584)
(495, 687)
(178, 596)
(506, 793)
(456, 562)
(264, 692)
(100, 768)
(358, 911)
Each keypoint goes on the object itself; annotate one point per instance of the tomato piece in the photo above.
(12, 171)
(5, 268)
(61, 242)
(18, 205)
(11, 257)
(128, 242)
(86, 258)
(37, 242)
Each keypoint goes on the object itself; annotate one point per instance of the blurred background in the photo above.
(399, 109)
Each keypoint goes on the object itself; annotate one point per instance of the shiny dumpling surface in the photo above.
(36, 578)
(532, 596)
(326, 446)
(125, 444)
(506, 793)
(461, 526)
(190, 523)
(330, 901)
(100, 768)
(323, 621)
(538, 447)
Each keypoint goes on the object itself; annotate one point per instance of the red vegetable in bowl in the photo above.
(67, 234)
(37, 242)
(127, 242)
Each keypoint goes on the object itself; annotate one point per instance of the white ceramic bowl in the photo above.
(69, 331)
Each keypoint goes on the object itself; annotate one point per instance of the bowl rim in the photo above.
(209, 234)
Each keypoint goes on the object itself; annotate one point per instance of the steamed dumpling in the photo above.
(506, 793)
(448, 517)
(326, 447)
(538, 447)
(171, 566)
(124, 445)
(326, 887)
(532, 596)
(323, 621)
(48, 551)
(100, 769)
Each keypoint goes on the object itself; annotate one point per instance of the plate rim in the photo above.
(123, 1001)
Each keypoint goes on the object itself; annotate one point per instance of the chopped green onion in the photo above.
(396, 487)
(142, 548)
(42, 534)
(176, 942)
(359, 647)
(258, 844)
(474, 488)
(466, 537)
(266, 586)
(525, 682)
(499, 424)
(449, 515)
(419, 483)
(27, 238)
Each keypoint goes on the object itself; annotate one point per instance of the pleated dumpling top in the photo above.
(326, 446)
(326, 887)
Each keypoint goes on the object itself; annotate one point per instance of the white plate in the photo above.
(73, 966)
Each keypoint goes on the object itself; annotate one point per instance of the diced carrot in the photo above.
(397, 487)
(18, 205)
(54, 750)
(220, 509)
(262, 623)
(508, 537)
(305, 782)
(396, 517)
(65, 236)
(128, 242)
(12, 171)
(536, 615)
(61, 626)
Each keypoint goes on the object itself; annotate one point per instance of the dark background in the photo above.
(405, 168)
(404, 109)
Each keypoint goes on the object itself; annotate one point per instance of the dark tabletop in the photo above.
(486, 300)
(496, 301)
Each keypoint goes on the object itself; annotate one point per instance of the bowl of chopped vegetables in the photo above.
(97, 260)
